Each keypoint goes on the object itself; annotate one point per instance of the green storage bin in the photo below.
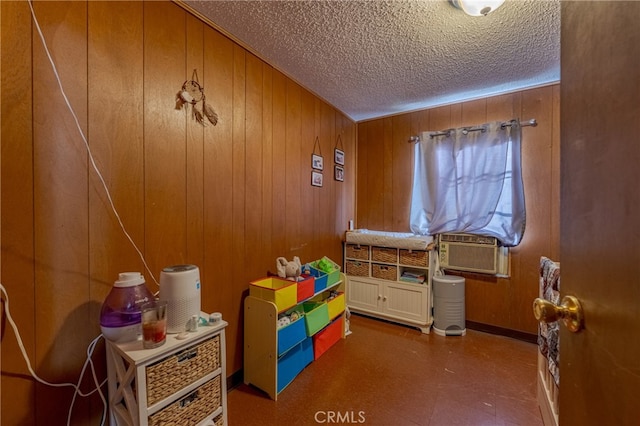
(316, 316)
(331, 268)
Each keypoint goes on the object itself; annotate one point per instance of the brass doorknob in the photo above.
(569, 311)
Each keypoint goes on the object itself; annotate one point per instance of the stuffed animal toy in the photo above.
(284, 321)
(289, 270)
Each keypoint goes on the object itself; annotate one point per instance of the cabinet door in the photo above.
(364, 294)
(406, 301)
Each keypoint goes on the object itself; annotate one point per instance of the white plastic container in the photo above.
(448, 305)
(180, 287)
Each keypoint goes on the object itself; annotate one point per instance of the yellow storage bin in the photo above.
(335, 303)
(283, 293)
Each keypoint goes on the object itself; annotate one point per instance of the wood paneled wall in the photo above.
(229, 198)
(385, 173)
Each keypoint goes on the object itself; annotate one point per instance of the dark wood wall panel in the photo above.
(195, 140)
(115, 87)
(218, 184)
(385, 173)
(16, 229)
(60, 203)
(165, 152)
(229, 198)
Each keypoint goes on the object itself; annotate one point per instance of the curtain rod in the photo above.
(532, 122)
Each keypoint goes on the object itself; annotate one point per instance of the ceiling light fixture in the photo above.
(477, 7)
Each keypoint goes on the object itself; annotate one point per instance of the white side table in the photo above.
(180, 378)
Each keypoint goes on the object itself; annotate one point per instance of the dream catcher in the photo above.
(192, 93)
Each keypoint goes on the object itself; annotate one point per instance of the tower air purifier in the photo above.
(180, 287)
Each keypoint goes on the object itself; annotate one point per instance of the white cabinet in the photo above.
(377, 286)
(180, 382)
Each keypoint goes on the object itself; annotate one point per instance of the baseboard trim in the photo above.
(492, 329)
(235, 380)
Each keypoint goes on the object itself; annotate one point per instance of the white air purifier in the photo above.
(180, 287)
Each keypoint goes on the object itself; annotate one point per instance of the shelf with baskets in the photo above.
(391, 283)
(274, 355)
(180, 382)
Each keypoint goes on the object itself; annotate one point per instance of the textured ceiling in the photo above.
(376, 58)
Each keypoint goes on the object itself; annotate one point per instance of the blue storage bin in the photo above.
(321, 279)
(293, 362)
(290, 335)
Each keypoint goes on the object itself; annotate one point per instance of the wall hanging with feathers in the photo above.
(192, 93)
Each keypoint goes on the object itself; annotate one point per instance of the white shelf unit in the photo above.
(129, 366)
(261, 358)
(375, 287)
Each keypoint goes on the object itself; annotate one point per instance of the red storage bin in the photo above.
(327, 337)
(306, 287)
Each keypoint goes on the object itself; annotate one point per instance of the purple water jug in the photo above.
(120, 316)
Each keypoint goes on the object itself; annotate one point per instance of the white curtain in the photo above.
(470, 181)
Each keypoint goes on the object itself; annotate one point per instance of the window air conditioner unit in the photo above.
(473, 253)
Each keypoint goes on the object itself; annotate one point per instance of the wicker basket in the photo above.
(191, 409)
(384, 254)
(385, 272)
(358, 269)
(356, 251)
(414, 257)
(219, 421)
(179, 370)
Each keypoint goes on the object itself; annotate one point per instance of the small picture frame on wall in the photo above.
(339, 157)
(316, 178)
(317, 162)
(339, 173)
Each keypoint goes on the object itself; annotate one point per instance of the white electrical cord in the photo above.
(86, 144)
(90, 349)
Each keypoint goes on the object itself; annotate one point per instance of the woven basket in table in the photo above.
(414, 257)
(179, 370)
(385, 272)
(191, 409)
(384, 254)
(219, 421)
(358, 269)
(356, 251)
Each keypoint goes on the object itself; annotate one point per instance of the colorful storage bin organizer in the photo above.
(290, 335)
(293, 362)
(306, 287)
(328, 337)
(316, 316)
(329, 267)
(283, 293)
